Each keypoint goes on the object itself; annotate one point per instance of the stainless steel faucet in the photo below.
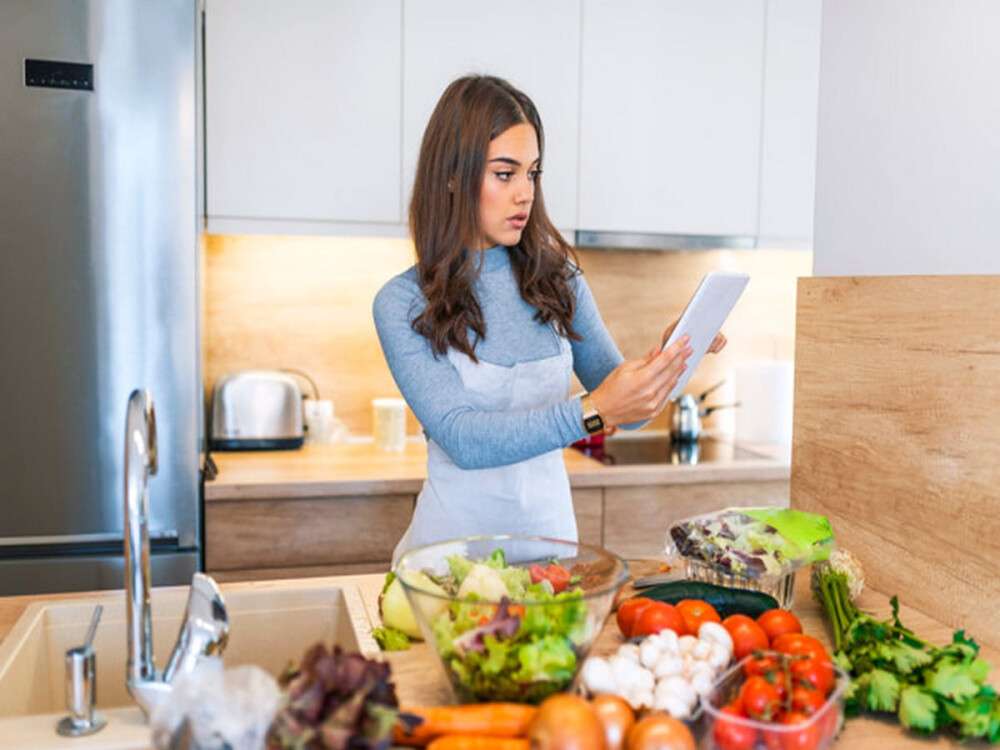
(205, 627)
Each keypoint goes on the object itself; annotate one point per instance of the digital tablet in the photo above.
(704, 315)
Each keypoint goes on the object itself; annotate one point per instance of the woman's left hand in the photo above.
(718, 343)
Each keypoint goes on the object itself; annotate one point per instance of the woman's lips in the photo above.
(518, 221)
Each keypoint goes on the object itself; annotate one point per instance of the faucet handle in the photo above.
(205, 630)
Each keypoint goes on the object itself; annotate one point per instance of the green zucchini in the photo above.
(727, 601)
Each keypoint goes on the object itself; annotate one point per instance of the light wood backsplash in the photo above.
(305, 302)
(897, 436)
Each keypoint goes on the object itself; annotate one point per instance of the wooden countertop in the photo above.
(421, 681)
(358, 468)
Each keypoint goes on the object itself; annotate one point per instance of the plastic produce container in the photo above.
(817, 733)
(750, 548)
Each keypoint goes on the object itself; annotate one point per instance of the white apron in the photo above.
(529, 497)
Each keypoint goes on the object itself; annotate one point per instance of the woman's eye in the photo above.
(534, 175)
(504, 176)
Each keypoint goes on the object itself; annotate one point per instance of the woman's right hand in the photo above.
(637, 389)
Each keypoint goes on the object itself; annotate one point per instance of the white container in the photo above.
(765, 389)
(389, 423)
(322, 427)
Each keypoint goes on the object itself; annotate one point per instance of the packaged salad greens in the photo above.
(755, 548)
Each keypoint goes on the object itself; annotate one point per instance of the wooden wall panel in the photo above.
(897, 434)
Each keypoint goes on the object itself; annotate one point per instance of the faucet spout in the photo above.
(205, 628)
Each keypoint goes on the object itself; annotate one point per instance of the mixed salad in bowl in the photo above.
(513, 623)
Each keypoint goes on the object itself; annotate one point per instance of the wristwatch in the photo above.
(593, 422)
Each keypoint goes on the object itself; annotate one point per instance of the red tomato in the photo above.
(807, 700)
(760, 699)
(554, 573)
(747, 635)
(815, 673)
(778, 622)
(558, 576)
(802, 734)
(656, 617)
(695, 612)
(761, 665)
(799, 644)
(628, 611)
(730, 735)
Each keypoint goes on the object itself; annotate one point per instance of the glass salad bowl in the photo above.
(510, 617)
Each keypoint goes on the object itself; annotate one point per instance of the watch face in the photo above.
(593, 424)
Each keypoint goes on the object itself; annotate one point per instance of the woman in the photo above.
(484, 333)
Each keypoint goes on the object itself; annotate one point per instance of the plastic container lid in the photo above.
(754, 543)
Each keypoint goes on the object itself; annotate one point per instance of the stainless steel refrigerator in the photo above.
(99, 237)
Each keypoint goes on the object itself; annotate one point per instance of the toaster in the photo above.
(256, 410)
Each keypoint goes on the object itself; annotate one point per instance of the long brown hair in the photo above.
(444, 220)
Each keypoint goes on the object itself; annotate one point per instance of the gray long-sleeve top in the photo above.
(474, 438)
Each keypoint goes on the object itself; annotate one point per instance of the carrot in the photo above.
(478, 742)
(484, 719)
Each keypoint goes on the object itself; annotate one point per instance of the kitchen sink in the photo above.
(271, 624)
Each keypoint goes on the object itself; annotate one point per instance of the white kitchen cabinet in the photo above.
(791, 94)
(534, 45)
(304, 112)
(671, 115)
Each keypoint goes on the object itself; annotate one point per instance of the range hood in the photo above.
(660, 242)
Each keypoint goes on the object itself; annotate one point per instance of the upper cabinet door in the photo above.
(534, 45)
(304, 110)
(671, 115)
(791, 98)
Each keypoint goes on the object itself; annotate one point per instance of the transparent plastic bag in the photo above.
(751, 548)
(212, 708)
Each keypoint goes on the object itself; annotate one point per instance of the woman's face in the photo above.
(508, 188)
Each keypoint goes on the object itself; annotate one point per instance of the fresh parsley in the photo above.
(929, 688)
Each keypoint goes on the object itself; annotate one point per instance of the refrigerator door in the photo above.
(98, 265)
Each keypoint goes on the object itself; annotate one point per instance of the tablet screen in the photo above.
(704, 315)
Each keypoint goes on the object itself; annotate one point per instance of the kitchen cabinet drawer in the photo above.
(252, 534)
(671, 116)
(303, 111)
(588, 504)
(636, 518)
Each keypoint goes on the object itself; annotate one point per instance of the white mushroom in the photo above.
(687, 642)
(673, 706)
(638, 699)
(719, 657)
(667, 640)
(630, 651)
(597, 676)
(644, 680)
(668, 666)
(701, 668)
(679, 688)
(702, 683)
(626, 672)
(715, 633)
(649, 652)
(701, 650)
